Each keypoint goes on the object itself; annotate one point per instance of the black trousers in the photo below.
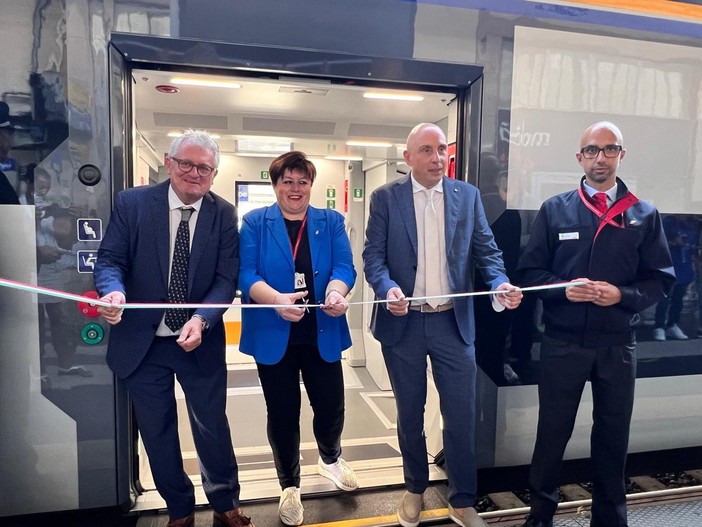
(669, 308)
(324, 384)
(565, 368)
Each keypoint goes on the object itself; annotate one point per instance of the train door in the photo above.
(314, 103)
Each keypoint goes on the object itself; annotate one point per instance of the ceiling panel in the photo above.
(318, 114)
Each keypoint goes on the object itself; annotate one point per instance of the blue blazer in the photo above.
(134, 258)
(390, 253)
(266, 256)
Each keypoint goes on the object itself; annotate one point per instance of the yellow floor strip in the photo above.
(382, 521)
(233, 333)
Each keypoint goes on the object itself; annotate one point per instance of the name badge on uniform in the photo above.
(300, 281)
(568, 236)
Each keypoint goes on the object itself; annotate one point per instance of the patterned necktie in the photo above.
(432, 260)
(600, 202)
(178, 286)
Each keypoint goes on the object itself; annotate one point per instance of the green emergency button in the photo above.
(92, 334)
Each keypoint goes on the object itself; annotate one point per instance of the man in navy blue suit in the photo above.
(424, 233)
(140, 260)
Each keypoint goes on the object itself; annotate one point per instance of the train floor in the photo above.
(369, 439)
(377, 509)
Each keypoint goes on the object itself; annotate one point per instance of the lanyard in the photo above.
(622, 204)
(299, 238)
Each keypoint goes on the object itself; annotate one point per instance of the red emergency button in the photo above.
(88, 309)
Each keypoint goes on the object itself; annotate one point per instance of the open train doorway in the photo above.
(354, 132)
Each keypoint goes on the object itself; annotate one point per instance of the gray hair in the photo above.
(196, 137)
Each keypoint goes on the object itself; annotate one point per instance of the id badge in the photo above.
(300, 281)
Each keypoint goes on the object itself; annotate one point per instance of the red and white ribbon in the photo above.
(20, 286)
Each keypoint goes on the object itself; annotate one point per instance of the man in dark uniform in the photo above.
(604, 237)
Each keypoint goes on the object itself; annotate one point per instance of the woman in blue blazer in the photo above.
(291, 255)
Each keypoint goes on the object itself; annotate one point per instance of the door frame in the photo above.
(131, 51)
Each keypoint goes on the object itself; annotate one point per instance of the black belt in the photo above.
(426, 308)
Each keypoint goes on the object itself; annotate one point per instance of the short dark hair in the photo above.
(294, 160)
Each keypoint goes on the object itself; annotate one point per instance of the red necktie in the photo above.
(600, 199)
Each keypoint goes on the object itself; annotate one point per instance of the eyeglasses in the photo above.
(185, 165)
(592, 151)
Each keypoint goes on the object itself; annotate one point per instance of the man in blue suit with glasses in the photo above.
(176, 242)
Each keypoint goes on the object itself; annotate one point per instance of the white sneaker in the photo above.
(658, 334)
(340, 473)
(290, 507)
(509, 374)
(675, 333)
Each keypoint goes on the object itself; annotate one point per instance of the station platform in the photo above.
(682, 514)
(377, 508)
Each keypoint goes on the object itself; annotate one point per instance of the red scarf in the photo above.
(621, 205)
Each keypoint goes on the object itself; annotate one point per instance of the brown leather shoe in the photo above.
(187, 521)
(233, 518)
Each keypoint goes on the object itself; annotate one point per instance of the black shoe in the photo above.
(533, 522)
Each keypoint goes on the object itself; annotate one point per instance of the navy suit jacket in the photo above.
(390, 253)
(266, 256)
(134, 258)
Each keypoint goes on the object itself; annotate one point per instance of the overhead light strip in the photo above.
(393, 96)
(186, 81)
(344, 158)
(381, 144)
(256, 154)
(178, 134)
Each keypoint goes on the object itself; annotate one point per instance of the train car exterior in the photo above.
(536, 74)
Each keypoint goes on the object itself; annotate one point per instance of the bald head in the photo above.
(417, 131)
(600, 154)
(602, 125)
(427, 153)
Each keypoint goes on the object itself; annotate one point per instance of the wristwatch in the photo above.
(205, 324)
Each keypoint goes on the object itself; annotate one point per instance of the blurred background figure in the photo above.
(506, 224)
(681, 233)
(59, 320)
(8, 195)
(57, 246)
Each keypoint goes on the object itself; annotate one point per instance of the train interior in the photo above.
(355, 136)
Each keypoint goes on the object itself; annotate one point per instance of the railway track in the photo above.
(509, 508)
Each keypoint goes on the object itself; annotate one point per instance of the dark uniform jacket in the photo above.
(633, 256)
